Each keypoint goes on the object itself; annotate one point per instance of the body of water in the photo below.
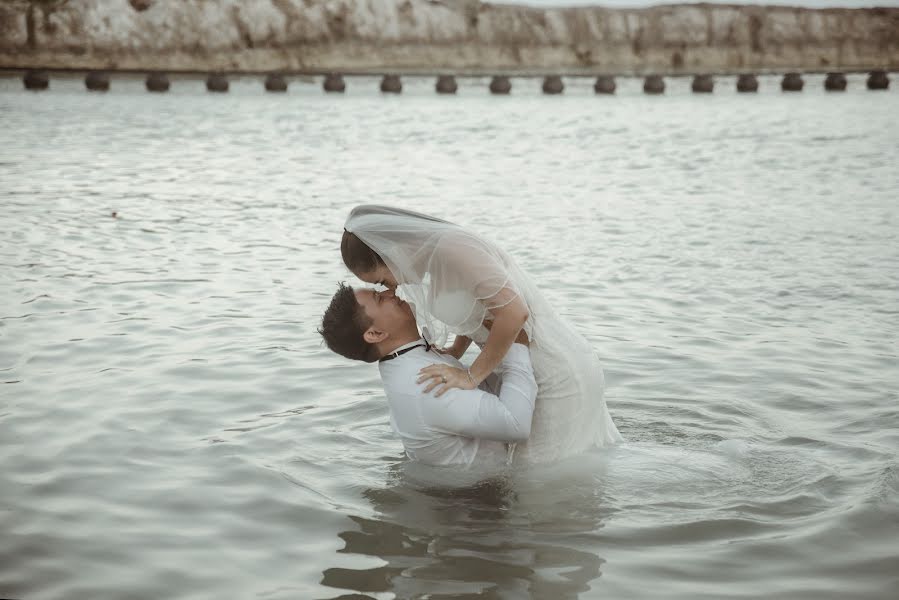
(172, 427)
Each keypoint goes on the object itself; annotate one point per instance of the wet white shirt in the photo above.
(462, 426)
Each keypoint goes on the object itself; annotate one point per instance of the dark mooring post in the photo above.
(792, 82)
(605, 84)
(747, 83)
(36, 80)
(835, 82)
(552, 84)
(157, 82)
(334, 83)
(703, 84)
(217, 82)
(446, 84)
(275, 82)
(391, 84)
(878, 80)
(654, 84)
(500, 84)
(97, 81)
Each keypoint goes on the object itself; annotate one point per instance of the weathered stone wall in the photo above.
(439, 35)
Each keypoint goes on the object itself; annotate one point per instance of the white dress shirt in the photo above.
(462, 426)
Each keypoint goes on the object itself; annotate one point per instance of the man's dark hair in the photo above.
(344, 324)
(357, 256)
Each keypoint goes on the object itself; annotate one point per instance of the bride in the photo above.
(460, 283)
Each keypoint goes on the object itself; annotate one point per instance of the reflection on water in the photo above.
(481, 540)
(543, 532)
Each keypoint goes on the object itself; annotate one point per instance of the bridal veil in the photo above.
(451, 276)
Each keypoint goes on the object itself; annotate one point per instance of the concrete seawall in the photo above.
(432, 36)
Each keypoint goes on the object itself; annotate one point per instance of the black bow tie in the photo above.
(393, 355)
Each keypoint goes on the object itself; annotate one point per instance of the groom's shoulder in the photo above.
(401, 364)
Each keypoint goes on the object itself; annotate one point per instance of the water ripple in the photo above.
(172, 426)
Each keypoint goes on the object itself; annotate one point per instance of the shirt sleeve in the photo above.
(479, 414)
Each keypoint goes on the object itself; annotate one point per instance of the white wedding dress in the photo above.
(454, 278)
(570, 415)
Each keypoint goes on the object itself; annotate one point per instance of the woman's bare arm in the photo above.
(507, 323)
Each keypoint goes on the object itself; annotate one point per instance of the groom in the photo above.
(460, 427)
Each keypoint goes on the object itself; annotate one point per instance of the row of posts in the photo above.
(500, 84)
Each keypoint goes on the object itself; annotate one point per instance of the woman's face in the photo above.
(381, 276)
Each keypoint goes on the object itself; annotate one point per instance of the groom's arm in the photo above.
(479, 414)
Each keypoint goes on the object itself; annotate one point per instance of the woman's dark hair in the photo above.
(344, 324)
(358, 257)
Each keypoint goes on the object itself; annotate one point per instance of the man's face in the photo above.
(387, 312)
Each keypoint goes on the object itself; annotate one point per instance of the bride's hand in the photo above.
(446, 377)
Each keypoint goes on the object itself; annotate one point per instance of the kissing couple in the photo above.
(534, 394)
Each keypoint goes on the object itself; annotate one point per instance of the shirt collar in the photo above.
(409, 345)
